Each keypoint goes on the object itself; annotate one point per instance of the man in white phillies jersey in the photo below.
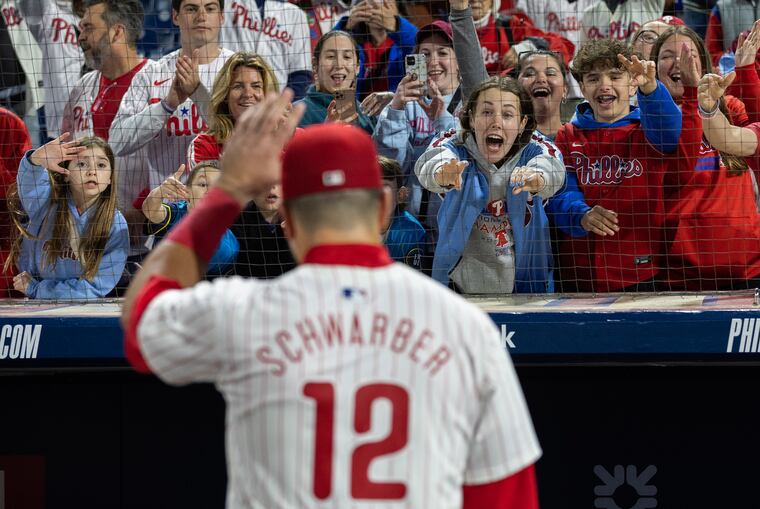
(618, 19)
(108, 38)
(53, 24)
(561, 17)
(278, 31)
(352, 381)
(157, 114)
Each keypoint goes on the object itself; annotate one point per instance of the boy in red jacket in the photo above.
(619, 156)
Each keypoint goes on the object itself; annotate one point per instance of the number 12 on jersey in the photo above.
(361, 458)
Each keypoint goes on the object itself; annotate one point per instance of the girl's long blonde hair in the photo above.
(220, 119)
(96, 234)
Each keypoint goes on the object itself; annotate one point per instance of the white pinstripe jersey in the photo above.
(142, 122)
(598, 22)
(347, 387)
(281, 37)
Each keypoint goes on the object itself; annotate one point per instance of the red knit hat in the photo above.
(672, 21)
(329, 157)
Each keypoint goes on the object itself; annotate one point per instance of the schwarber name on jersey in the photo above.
(142, 120)
(281, 37)
(347, 386)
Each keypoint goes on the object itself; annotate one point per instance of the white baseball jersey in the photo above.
(27, 51)
(281, 37)
(557, 16)
(598, 22)
(143, 123)
(328, 13)
(347, 387)
(131, 170)
(54, 26)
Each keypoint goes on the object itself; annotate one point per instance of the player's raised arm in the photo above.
(251, 164)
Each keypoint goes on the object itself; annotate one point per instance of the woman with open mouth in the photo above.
(712, 219)
(543, 75)
(495, 175)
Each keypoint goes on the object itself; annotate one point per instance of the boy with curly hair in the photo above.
(619, 157)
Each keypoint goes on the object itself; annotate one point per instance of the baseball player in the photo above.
(109, 49)
(278, 31)
(159, 114)
(351, 381)
(54, 24)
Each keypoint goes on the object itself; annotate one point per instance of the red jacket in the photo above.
(14, 142)
(619, 169)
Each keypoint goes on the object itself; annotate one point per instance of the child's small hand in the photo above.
(643, 72)
(450, 174)
(528, 179)
(172, 189)
(21, 282)
(56, 151)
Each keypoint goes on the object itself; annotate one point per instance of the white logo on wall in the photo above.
(19, 341)
(506, 337)
(747, 330)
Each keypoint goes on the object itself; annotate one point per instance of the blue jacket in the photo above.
(403, 44)
(405, 239)
(64, 279)
(460, 209)
(226, 252)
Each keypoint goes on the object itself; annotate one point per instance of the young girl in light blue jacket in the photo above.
(72, 241)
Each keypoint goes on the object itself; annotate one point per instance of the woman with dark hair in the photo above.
(333, 97)
(242, 82)
(712, 220)
(493, 231)
(543, 75)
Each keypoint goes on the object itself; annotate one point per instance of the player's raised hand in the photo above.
(711, 88)
(251, 159)
(528, 179)
(600, 221)
(643, 72)
(688, 66)
(450, 174)
(54, 152)
(748, 46)
(374, 103)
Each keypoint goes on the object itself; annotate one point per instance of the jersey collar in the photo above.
(356, 255)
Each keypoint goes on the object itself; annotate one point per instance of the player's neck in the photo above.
(120, 65)
(301, 246)
(207, 53)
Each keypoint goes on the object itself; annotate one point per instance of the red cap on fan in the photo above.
(672, 21)
(329, 157)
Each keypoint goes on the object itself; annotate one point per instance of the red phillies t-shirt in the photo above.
(376, 65)
(106, 104)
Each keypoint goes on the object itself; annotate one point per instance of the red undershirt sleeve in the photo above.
(155, 286)
(518, 491)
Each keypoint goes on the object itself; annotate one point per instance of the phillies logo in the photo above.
(185, 121)
(497, 208)
(606, 170)
(11, 16)
(555, 24)
(81, 119)
(501, 237)
(64, 30)
(616, 31)
(267, 26)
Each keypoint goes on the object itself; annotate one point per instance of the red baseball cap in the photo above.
(672, 21)
(437, 27)
(329, 157)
